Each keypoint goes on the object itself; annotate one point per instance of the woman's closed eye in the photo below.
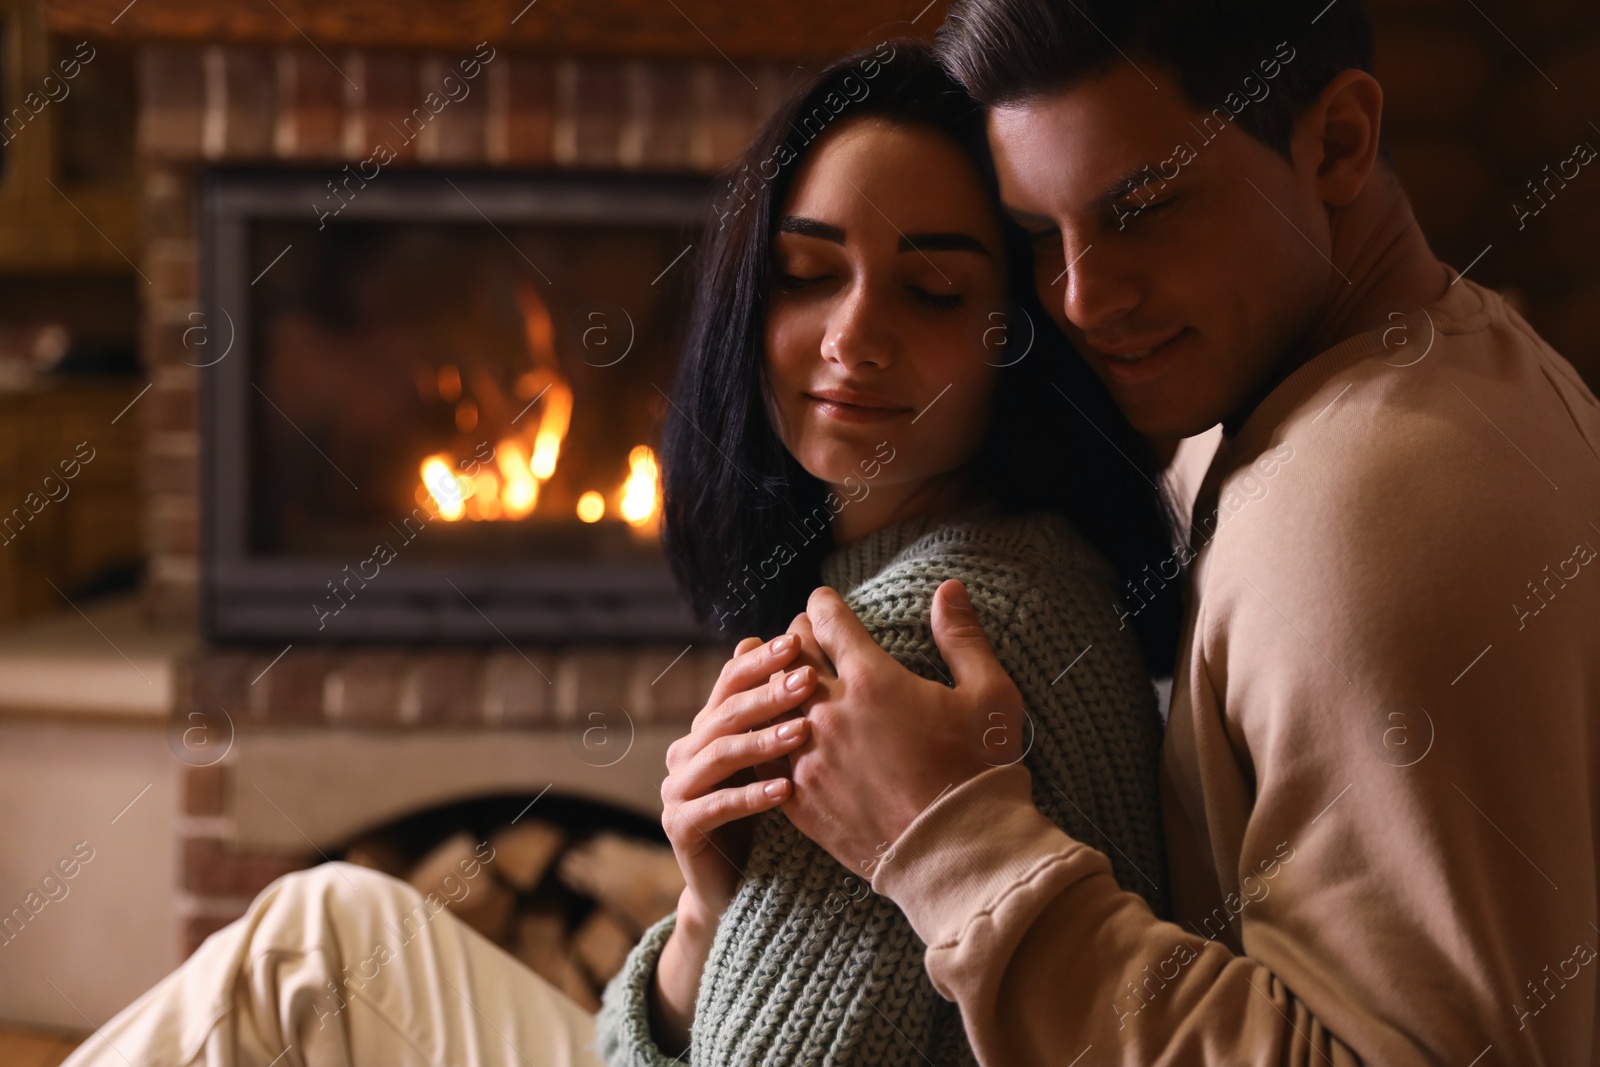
(938, 301)
(790, 283)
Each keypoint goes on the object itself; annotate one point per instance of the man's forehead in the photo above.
(1081, 146)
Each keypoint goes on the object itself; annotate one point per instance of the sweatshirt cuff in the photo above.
(622, 1027)
(977, 845)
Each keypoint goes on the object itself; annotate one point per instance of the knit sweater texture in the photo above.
(809, 967)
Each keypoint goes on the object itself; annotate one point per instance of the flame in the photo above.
(530, 385)
(544, 381)
(553, 422)
(519, 491)
(638, 505)
(448, 382)
(528, 452)
(483, 502)
(443, 487)
(591, 506)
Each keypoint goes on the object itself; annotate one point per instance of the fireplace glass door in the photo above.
(439, 413)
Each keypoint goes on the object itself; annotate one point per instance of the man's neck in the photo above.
(1382, 264)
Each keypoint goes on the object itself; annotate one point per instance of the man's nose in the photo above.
(1098, 286)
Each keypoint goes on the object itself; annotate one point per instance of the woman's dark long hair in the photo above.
(744, 524)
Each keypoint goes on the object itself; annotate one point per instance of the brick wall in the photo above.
(528, 689)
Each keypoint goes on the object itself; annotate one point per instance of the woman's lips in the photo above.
(835, 406)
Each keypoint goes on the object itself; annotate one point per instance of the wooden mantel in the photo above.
(776, 30)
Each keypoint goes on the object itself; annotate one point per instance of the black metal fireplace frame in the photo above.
(250, 597)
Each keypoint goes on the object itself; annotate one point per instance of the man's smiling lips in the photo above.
(850, 406)
(1142, 359)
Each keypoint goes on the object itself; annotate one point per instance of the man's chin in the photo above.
(1162, 410)
(1166, 418)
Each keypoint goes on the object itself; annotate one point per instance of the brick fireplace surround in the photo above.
(327, 742)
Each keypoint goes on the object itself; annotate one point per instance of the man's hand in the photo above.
(885, 743)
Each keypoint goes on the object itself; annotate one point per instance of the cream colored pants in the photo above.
(340, 966)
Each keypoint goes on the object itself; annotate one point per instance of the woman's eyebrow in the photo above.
(942, 242)
(811, 228)
(915, 242)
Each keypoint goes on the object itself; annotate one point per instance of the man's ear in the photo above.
(1340, 133)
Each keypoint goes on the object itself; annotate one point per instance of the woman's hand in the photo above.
(711, 785)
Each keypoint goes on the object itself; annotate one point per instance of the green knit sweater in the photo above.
(809, 967)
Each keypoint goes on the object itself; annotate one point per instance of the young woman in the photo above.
(871, 399)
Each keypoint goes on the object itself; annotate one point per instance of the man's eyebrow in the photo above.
(1134, 179)
(811, 228)
(942, 242)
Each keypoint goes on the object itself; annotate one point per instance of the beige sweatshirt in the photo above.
(1380, 769)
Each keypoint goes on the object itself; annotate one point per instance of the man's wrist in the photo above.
(968, 849)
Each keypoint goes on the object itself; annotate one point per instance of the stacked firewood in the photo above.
(569, 909)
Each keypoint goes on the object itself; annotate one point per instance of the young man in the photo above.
(1381, 768)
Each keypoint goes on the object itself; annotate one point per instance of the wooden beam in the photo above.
(766, 30)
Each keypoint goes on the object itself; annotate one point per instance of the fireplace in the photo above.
(436, 414)
(311, 316)
(310, 320)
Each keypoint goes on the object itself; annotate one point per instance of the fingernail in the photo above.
(783, 644)
(959, 598)
(796, 680)
(775, 788)
(791, 729)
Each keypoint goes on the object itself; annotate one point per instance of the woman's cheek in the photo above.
(794, 343)
(785, 370)
(963, 366)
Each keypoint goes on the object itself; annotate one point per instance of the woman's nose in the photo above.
(859, 333)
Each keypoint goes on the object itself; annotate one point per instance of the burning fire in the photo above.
(441, 485)
(638, 505)
(525, 459)
(521, 490)
(511, 489)
(553, 425)
(591, 507)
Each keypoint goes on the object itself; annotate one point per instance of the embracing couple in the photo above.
(931, 812)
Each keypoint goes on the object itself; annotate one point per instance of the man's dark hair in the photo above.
(1012, 51)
